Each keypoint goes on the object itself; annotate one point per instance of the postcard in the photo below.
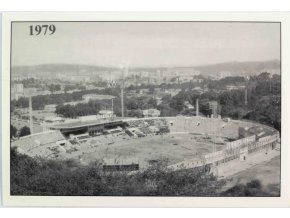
(145, 109)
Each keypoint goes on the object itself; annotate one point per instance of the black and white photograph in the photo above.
(145, 108)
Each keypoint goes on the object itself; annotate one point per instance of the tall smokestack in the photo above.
(197, 107)
(30, 115)
(122, 90)
(122, 102)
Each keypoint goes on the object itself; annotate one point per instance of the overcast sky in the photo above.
(147, 44)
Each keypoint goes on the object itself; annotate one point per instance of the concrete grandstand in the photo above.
(135, 143)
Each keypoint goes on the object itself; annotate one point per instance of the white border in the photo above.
(148, 5)
(283, 201)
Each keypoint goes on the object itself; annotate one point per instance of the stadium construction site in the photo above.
(220, 146)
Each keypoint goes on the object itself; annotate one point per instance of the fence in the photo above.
(234, 150)
(242, 146)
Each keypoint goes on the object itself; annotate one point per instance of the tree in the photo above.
(53, 88)
(166, 110)
(173, 79)
(135, 113)
(251, 189)
(38, 102)
(12, 107)
(36, 176)
(151, 89)
(267, 111)
(24, 131)
(13, 131)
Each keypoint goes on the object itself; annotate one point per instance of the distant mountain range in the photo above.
(241, 68)
(234, 68)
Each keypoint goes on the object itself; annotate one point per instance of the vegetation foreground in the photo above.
(39, 177)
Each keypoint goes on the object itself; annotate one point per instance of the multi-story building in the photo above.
(213, 106)
(17, 91)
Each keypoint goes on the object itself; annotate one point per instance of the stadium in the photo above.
(132, 144)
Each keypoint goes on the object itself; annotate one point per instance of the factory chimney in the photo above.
(30, 115)
(124, 70)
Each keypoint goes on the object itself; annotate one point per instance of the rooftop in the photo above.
(80, 123)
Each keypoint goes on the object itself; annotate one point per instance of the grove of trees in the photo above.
(133, 107)
(54, 88)
(263, 102)
(39, 177)
(31, 83)
(250, 189)
(62, 178)
(24, 131)
(13, 131)
(83, 109)
(38, 102)
(70, 87)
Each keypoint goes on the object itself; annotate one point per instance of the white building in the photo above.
(106, 114)
(151, 113)
(50, 107)
(17, 91)
(89, 97)
(172, 92)
(188, 105)
(19, 88)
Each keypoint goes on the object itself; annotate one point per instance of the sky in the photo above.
(146, 44)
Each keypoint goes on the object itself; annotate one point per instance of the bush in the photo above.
(24, 131)
(13, 131)
(35, 176)
(250, 189)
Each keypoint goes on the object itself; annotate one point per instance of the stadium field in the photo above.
(175, 147)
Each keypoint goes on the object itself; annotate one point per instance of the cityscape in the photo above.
(127, 130)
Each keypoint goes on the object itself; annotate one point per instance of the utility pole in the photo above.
(197, 107)
(30, 115)
(112, 108)
(246, 91)
(246, 96)
(122, 90)
(270, 79)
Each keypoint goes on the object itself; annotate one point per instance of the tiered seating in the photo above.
(204, 126)
(40, 139)
(107, 139)
(40, 144)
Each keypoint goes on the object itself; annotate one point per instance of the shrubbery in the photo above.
(39, 177)
(53, 177)
(24, 131)
(250, 189)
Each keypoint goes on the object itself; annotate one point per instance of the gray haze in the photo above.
(146, 44)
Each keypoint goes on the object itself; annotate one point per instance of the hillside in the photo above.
(236, 68)
(241, 68)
